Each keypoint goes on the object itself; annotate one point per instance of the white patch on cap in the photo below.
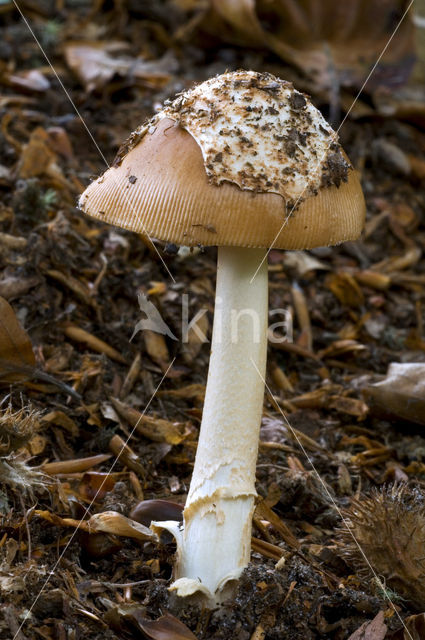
(259, 132)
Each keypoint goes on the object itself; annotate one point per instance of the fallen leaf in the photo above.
(16, 352)
(401, 394)
(38, 159)
(340, 347)
(74, 466)
(375, 629)
(96, 63)
(190, 392)
(32, 81)
(13, 287)
(334, 45)
(155, 429)
(413, 629)
(80, 335)
(345, 288)
(156, 348)
(303, 262)
(196, 337)
(167, 627)
(119, 525)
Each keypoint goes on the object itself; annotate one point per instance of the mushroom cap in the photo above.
(241, 160)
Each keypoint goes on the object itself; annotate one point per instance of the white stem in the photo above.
(214, 546)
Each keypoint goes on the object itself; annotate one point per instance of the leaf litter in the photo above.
(78, 365)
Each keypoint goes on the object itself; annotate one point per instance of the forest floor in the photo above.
(337, 448)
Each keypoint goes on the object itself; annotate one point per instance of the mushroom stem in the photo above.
(214, 546)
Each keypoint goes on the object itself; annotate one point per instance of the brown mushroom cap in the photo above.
(163, 185)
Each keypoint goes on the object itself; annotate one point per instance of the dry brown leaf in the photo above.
(155, 429)
(264, 512)
(302, 262)
(196, 337)
(267, 549)
(95, 484)
(12, 242)
(373, 279)
(80, 335)
(157, 348)
(167, 627)
(330, 397)
(414, 629)
(74, 466)
(96, 63)
(375, 629)
(340, 347)
(334, 44)
(38, 159)
(351, 406)
(13, 287)
(28, 81)
(345, 288)
(316, 398)
(16, 354)
(119, 525)
(190, 392)
(126, 455)
(106, 522)
(408, 259)
(303, 316)
(146, 511)
(80, 289)
(401, 394)
(63, 420)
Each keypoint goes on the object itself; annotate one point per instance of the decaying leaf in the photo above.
(155, 429)
(16, 354)
(303, 262)
(76, 465)
(345, 288)
(330, 396)
(264, 512)
(167, 627)
(39, 159)
(96, 344)
(401, 394)
(126, 455)
(194, 392)
(106, 522)
(196, 337)
(157, 348)
(333, 44)
(375, 629)
(413, 629)
(95, 64)
(95, 484)
(119, 525)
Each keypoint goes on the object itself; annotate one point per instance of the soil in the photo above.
(327, 442)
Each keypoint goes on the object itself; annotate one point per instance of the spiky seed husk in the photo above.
(389, 526)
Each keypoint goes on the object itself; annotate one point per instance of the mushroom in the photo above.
(244, 162)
